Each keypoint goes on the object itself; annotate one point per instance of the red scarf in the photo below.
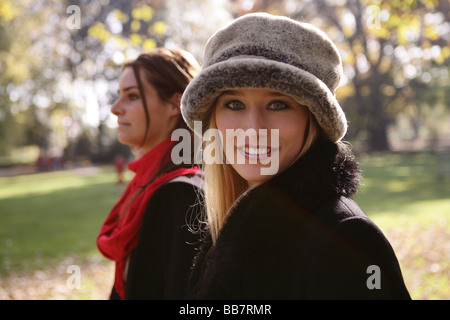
(119, 233)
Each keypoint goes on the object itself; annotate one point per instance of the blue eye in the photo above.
(234, 105)
(278, 105)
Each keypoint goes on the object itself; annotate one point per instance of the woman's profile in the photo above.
(145, 233)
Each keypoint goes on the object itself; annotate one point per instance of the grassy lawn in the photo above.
(403, 188)
(49, 221)
(47, 216)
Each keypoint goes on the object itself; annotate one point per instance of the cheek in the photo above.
(292, 136)
(136, 111)
(223, 123)
(140, 121)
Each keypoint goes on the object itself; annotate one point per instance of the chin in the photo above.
(252, 175)
(124, 140)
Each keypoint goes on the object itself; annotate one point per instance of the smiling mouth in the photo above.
(256, 152)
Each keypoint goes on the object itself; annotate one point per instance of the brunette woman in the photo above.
(146, 233)
(291, 232)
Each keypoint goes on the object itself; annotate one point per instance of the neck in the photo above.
(147, 147)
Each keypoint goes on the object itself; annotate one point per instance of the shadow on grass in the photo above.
(403, 184)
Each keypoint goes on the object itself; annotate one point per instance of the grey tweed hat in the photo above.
(263, 51)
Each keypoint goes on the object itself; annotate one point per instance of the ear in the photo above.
(175, 102)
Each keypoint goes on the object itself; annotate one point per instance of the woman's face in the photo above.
(260, 109)
(131, 119)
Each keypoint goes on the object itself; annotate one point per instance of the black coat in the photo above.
(160, 264)
(300, 236)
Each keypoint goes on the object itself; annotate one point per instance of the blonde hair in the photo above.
(223, 186)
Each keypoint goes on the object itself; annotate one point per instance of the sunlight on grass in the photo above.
(403, 185)
(49, 182)
(423, 212)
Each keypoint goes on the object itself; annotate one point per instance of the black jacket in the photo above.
(300, 236)
(160, 264)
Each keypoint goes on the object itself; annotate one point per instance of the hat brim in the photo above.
(260, 73)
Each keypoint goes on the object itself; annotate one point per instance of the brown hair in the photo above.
(168, 70)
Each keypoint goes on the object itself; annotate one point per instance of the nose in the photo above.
(255, 119)
(116, 108)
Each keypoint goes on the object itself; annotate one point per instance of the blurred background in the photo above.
(59, 71)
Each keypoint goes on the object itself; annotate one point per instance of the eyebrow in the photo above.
(277, 94)
(127, 88)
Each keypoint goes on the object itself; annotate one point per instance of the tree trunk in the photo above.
(378, 121)
(378, 138)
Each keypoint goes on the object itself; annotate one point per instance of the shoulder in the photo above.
(195, 180)
(174, 207)
(345, 220)
(179, 189)
(348, 246)
(174, 202)
(340, 210)
(348, 222)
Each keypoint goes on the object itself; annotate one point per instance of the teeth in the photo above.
(254, 151)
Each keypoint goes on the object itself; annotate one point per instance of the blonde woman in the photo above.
(267, 88)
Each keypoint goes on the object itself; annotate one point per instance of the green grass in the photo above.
(403, 188)
(46, 216)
